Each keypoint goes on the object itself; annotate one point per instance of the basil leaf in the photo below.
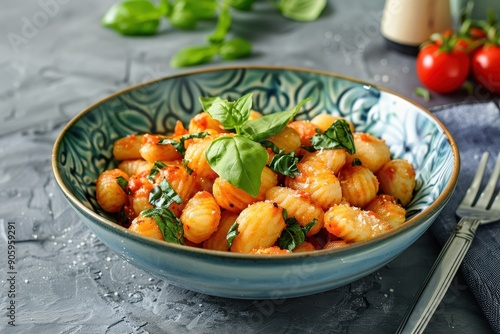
(170, 226)
(338, 135)
(231, 114)
(201, 9)
(285, 164)
(165, 7)
(301, 10)
(271, 145)
(133, 18)
(194, 55)
(267, 126)
(185, 163)
(162, 195)
(231, 234)
(294, 234)
(356, 162)
(282, 163)
(182, 17)
(235, 48)
(241, 4)
(179, 145)
(154, 170)
(206, 102)
(122, 182)
(223, 24)
(238, 160)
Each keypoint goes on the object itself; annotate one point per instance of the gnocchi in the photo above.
(307, 199)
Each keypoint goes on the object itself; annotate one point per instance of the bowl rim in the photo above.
(411, 224)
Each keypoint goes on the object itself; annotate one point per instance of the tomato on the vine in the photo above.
(486, 67)
(442, 70)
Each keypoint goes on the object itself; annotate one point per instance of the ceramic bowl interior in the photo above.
(84, 149)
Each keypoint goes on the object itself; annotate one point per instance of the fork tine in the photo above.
(495, 206)
(471, 193)
(487, 194)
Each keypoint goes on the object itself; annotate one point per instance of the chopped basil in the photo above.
(285, 164)
(338, 135)
(122, 182)
(231, 234)
(356, 162)
(162, 195)
(185, 163)
(170, 226)
(294, 234)
(179, 145)
(154, 170)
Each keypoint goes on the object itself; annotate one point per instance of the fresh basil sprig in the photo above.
(162, 195)
(294, 234)
(240, 159)
(232, 115)
(338, 135)
(144, 17)
(170, 226)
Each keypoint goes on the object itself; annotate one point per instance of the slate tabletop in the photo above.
(56, 59)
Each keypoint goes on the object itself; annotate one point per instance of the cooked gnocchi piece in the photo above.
(259, 226)
(370, 150)
(110, 195)
(397, 178)
(388, 208)
(319, 182)
(299, 205)
(353, 224)
(200, 218)
(359, 185)
(218, 239)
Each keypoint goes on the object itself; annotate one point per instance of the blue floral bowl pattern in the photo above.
(84, 149)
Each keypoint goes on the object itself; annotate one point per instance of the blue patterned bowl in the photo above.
(84, 149)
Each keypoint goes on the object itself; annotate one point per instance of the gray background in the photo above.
(56, 59)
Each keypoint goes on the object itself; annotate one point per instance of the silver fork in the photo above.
(446, 266)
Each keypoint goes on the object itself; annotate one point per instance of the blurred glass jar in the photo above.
(408, 23)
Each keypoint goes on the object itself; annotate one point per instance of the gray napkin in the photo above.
(476, 128)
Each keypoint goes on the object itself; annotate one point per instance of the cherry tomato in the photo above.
(442, 71)
(486, 67)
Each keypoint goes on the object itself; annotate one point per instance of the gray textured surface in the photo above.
(67, 281)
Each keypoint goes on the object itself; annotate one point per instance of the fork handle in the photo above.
(439, 278)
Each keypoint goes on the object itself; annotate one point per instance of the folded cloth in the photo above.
(476, 128)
